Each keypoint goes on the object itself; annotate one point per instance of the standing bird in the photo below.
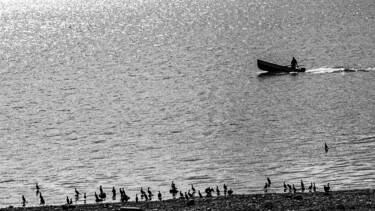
(136, 198)
(285, 187)
(159, 196)
(149, 193)
(114, 193)
(24, 202)
(326, 188)
(192, 188)
(77, 193)
(97, 199)
(67, 200)
(294, 189)
(42, 202)
(310, 187)
(269, 182)
(199, 193)
(265, 188)
(314, 188)
(102, 195)
(37, 188)
(290, 188)
(230, 191)
(225, 190)
(302, 187)
(217, 191)
(326, 147)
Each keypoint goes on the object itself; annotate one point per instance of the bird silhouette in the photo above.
(199, 193)
(159, 196)
(314, 188)
(102, 195)
(326, 188)
(192, 188)
(97, 199)
(77, 193)
(302, 187)
(326, 147)
(24, 202)
(285, 187)
(114, 193)
(230, 191)
(67, 200)
(136, 198)
(310, 187)
(269, 182)
(265, 188)
(42, 202)
(217, 191)
(294, 189)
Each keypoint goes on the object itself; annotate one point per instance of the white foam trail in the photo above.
(326, 70)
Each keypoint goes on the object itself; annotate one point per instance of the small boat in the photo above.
(275, 68)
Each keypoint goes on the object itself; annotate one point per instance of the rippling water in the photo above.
(139, 93)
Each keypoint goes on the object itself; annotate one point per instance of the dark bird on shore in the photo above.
(186, 196)
(181, 195)
(102, 195)
(269, 182)
(146, 198)
(136, 198)
(124, 197)
(143, 193)
(230, 191)
(192, 188)
(265, 188)
(37, 188)
(71, 201)
(314, 188)
(199, 193)
(24, 202)
(97, 199)
(77, 193)
(225, 189)
(190, 195)
(149, 192)
(294, 189)
(159, 196)
(302, 187)
(217, 191)
(326, 188)
(42, 202)
(84, 196)
(326, 147)
(285, 187)
(67, 200)
(114, 193)
(290, 188)
(310, 187)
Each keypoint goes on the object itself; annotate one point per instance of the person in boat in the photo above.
(294, 63)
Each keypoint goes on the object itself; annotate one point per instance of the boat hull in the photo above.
(275, 68)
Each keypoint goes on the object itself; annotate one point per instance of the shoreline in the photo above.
(335, 200)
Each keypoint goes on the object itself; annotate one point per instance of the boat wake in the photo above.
(322, 70)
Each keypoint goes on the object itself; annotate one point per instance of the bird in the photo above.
(314, 188)
(265, 187)
(159, 196)
(42, 202)
(225, 189)
(71, 201)
(186, 196)
(77, 193)
(181, 195)
(67, 200)
(142, 193)
(199, 193)
(102, 195)
(302, 187)
(294, 189)
(84, 196)
(310, 187)
(285, 187)
(149, 193)
(230, 191)
(114, 193)
(190, 194)
(37, 188)
(24, 202)
(124, 197)
(136, 198)
(269, 182)
(326, 147)
(326, 188)
(217, 191)
(290, 188)
(97, 199)
(192, 188)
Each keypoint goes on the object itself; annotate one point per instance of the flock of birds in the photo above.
(190, 194)
(174, 191)
(292, 188)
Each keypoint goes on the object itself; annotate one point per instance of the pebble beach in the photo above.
(334, 200)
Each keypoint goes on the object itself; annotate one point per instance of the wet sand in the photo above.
(335, 200)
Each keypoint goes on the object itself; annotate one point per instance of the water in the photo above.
(139, 93)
